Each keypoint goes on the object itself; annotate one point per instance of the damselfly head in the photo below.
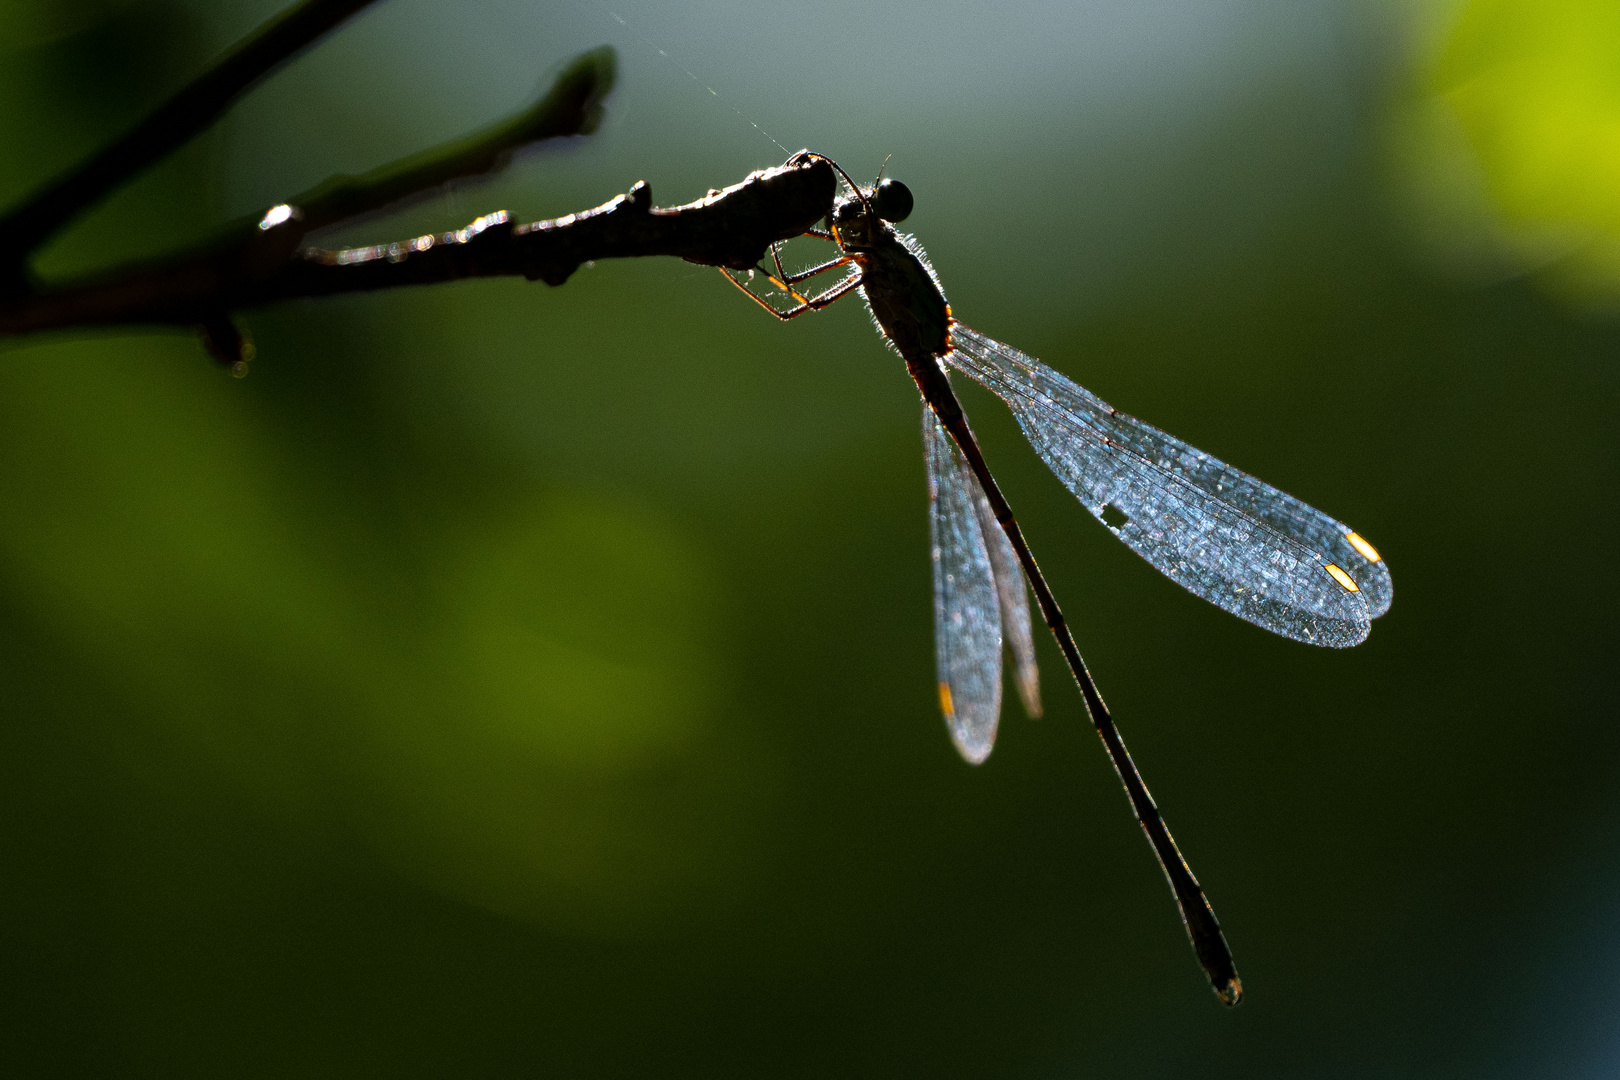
(889, 199)
(853, 219)
(860, 215)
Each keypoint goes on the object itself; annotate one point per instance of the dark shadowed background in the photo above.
(514, 681)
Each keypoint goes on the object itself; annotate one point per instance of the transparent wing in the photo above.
(1228, 537)
(1013, 592)
(967, 609)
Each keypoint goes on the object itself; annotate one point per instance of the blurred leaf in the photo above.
(532, 727)
(584, 632)
(1526, 93)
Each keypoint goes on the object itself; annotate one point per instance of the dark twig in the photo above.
(731, 228)
(191, 110)
(201, 286)
(263, 259)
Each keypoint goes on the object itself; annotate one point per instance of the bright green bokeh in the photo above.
(1534, 89)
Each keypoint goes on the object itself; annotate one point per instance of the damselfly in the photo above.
(1229, 538)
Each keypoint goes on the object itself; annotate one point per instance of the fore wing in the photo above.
(967, 609)
(1227, 537)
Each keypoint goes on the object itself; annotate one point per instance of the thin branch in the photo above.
(193, 109)
(202, 285)
(263, 259)
(731, 228)
(572, 107)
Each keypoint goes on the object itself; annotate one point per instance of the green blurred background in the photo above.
(515, 681)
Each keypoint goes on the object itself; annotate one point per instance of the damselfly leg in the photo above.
(785, 281)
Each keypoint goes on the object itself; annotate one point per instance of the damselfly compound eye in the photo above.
(892, 200)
